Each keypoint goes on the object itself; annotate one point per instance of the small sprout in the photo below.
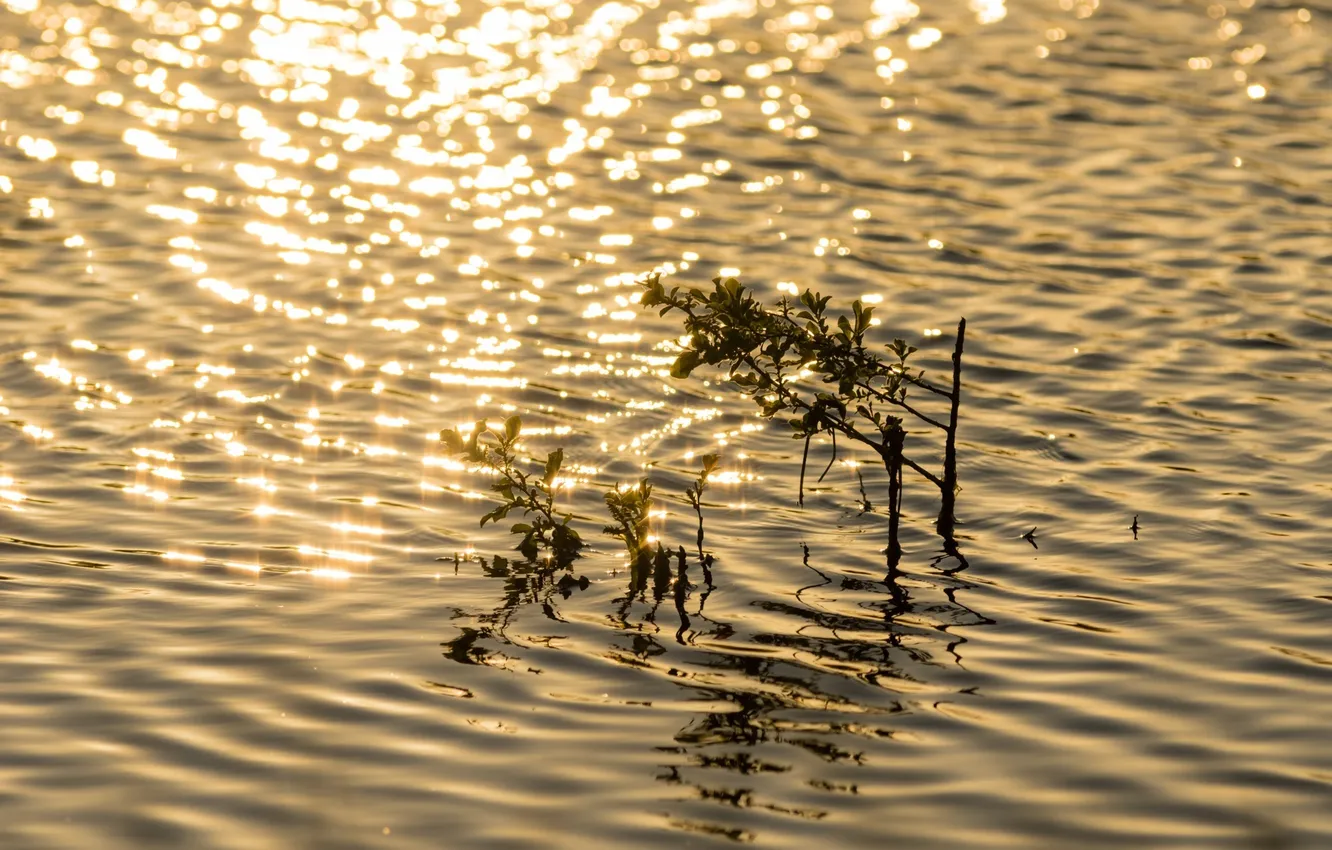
(630, 508)
(452, 440)
(695, 494)
(547, 529)
(554, 461)
(865, 505)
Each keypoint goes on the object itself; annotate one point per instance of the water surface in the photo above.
(254, 255)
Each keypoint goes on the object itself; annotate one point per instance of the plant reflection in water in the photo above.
(852, 650)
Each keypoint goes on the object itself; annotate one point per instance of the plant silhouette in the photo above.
(770, 352)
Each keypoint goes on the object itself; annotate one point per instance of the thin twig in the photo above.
(909, 409)
(902, 403)
(925, 385)
(832, 459)
(929, 476)
(804, 461)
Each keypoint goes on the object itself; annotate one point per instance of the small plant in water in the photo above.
(769, 351)
(695, 495)
(630, 508)
(533, 495)
(549, 530)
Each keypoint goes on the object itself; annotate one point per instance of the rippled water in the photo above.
(255, 254)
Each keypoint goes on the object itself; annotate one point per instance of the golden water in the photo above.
(254, 255)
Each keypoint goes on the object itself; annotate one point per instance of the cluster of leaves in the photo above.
(631, 510)
(533, 495)
(547, 528)
(767, 352)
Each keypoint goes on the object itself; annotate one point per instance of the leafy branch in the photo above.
(769, 351)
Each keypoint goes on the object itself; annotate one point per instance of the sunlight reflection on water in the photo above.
(256, 254)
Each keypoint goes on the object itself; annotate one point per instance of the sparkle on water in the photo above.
(256, 254)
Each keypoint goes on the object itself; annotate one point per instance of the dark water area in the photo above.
(254, 255)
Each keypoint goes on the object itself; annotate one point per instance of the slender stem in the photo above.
(698, 509)
(893, 462)
(949, 488)
(925, 385)
(924, 473)
(909, 409)
(900, 402)
(832, 459)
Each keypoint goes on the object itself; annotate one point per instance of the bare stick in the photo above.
(893, 460)
(949, 487)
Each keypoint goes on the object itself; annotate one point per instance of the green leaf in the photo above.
(452, 440)
(497, 514)
(473, 444)
(554, 461)
(512, 426)
(528, 546)
(685, 364)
